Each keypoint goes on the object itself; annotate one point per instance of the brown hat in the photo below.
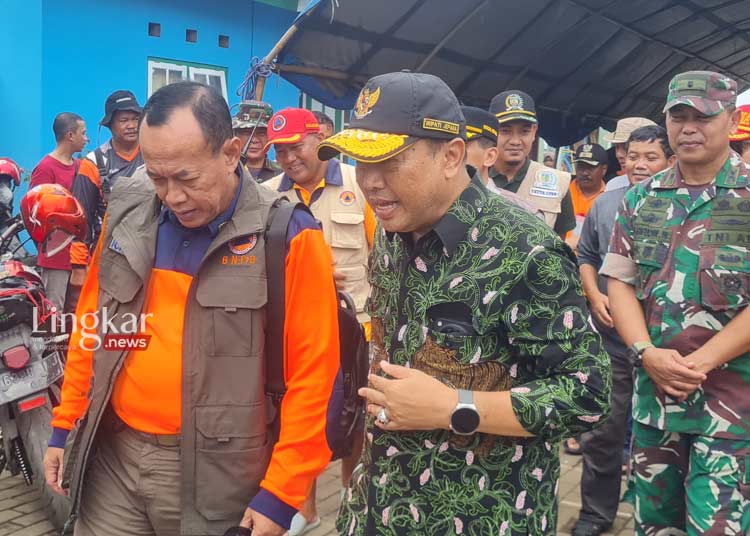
(625, 128)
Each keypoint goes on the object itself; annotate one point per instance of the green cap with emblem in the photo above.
(708, 92)
(252, 114)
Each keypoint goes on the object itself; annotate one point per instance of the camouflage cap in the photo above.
(708, 92)
(252, 114)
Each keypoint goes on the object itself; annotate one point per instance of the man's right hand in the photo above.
(671, 373)
(600, 309)
(53, 469)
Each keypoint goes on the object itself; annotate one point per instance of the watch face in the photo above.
(465, 421)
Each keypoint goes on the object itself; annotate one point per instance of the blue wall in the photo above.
(21, 81)
(68, 55)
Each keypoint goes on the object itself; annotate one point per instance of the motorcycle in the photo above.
(31, 369)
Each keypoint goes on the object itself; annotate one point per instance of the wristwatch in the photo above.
(465, 417)
(635, 352)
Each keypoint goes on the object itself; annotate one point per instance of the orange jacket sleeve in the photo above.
(311, 352)
(79, 364)
(370, 225)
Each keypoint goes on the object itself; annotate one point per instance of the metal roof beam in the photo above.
(466, 82)
(377, 44)
(646, 37)
(581, 62)
(589, 14)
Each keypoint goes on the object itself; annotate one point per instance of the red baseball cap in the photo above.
(290, 125)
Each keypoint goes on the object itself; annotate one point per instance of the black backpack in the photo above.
(346, 407)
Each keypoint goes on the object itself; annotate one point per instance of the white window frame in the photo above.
(192, 71)
(188, 72)
(164, 65)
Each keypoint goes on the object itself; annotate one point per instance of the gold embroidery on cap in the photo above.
(365, 144)
(440, 126)
(365, 103)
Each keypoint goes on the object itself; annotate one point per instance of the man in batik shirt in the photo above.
(679, 271)
(484, 356)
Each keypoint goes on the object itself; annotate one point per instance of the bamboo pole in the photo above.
(268, 60)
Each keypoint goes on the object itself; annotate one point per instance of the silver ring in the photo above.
(383, 417)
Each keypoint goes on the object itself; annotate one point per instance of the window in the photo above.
(163, 71)
(154, 29)
(211, 77)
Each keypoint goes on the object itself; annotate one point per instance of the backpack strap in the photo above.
(104, 179)
(276, 236)
(101, 166)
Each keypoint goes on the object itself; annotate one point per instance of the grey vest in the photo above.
(226, 433)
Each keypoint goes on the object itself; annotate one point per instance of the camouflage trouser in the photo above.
(689, 484)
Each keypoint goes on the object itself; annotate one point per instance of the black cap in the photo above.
(513, 105)
(592, 154)
(120, 100)
(480, 124)
(392, 113)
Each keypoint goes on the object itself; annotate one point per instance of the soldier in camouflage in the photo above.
(679, 269)
(250, 125)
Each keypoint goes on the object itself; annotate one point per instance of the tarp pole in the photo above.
(268, 60)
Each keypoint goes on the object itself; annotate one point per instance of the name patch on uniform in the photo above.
(541, 192)
(115, 246)
(347, 198)
(440, 126)
(243, 244)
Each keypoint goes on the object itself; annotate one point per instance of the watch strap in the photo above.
(465, 397)
(641, 346)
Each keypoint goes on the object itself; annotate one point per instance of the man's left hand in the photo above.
(412, 399)
(261, 525)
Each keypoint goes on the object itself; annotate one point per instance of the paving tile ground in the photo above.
(22, 514)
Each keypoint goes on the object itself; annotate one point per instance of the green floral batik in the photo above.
(528, 330)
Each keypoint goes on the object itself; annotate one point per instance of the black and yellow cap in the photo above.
(513, 105)
(393, 112)
(480, 124)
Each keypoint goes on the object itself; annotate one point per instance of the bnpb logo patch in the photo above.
(243, 245)
(279, 122)
(347, 198)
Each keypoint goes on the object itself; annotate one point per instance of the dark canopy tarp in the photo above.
(586, 62)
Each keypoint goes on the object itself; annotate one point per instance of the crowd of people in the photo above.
(510, 307)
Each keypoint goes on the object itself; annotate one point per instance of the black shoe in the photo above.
(588, 528)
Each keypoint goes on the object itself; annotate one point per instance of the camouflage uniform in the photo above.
(685, 249)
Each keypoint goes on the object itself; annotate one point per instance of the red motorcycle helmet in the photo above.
(10, 168)
(53, 217)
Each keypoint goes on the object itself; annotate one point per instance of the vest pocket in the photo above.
(347, 230)
(231, 322)
(232, 453)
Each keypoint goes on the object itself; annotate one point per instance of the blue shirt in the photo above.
(182, 249)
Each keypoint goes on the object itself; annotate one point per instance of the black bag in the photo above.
(346, 407)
